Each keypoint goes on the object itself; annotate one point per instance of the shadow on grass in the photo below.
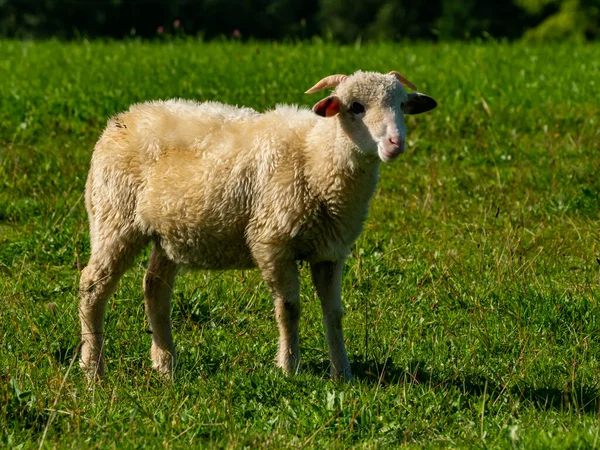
(64, 355)
(585, 399)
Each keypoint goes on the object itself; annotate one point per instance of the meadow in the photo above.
(471, 299)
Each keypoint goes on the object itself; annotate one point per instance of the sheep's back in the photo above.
(208, 176)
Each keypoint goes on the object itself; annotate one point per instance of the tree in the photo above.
(576, 20)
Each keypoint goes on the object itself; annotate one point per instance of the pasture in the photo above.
(471, 299)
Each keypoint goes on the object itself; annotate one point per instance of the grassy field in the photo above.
(471, 299)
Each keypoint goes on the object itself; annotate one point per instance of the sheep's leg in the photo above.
(158, 285)
(108, 262)
(282, 279)
(327, 278)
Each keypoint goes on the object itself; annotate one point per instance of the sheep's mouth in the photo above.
(387, 155)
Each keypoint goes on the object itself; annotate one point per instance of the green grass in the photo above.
(471, 298)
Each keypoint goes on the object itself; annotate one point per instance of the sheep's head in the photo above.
(371, 107)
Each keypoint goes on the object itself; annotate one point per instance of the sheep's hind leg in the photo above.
(108, 262)
(327, 278)
(158, 285)
(282, 279)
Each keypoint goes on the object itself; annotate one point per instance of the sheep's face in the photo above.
(371, 108)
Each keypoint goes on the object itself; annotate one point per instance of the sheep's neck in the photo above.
(343, 178)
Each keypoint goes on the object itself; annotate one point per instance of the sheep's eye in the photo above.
(357, 108)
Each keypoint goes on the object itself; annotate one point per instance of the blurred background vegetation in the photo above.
(338, 20)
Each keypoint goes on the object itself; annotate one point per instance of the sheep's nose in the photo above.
(397, 142)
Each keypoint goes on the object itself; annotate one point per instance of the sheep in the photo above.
(214, 186)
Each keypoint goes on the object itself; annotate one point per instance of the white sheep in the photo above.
(219, 187)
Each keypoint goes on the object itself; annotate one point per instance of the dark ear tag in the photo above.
(327, 107)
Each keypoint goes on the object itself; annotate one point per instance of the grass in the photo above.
(471, 298)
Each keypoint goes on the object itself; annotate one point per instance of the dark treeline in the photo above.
(341, 20)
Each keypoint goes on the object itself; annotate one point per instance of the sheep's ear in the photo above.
(327, 107)
(418, 103)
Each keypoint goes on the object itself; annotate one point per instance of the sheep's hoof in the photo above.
(163, 361)
(94, 371)
(290, 365)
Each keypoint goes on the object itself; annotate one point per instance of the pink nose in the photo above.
(396, 141)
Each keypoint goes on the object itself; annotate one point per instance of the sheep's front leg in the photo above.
(282, 279)
(158, 286)
(327, 277)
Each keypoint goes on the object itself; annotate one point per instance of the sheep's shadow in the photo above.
(64, 354)
(585, 399)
